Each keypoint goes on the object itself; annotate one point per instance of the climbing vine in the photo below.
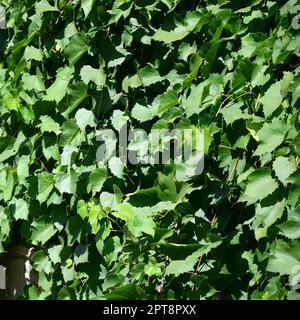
(71, 68)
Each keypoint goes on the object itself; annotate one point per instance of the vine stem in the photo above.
(230, 96)
(232, 173)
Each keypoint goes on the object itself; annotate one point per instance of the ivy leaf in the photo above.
(66, 183)
(272, 99)
(21, 209)
(97, 179)
(141, 113)
(116, 166)
(138, 220)
(33, 53)
(233, 113)
(284, 258)
(270, 136)
(291, 228)
(265, 217)
(42, 231)
(49, 125)
(81, 254)
(177, 267)
(54, 253)
(78, 46)
(283, 168)
(44, 6)
(174, 31)
(41, 262)
(57, 91)
(70, 134)
(45, 186)
(97, 76)
(149, 75)
(76, 94)
(152, 268)
(85, 118)
(33, 82)
(87, 5)
(66, 155)
(260, 184)
(23, 167)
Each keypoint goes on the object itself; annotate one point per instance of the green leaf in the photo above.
(85, 118)
(87, 5)
(141, 113)
(44, 6)
(260, 184)
(165, 101)
(270, 136)
(58, 90)
(42, 231)
(116, 166)
(13, 147)
(249, 46)
(283, 168)
(68, 274)
(272, 99)
(95, 214)
(127, 292)
(152, 268)
(82, 209)
(177, 267)
(45, 186)
(23, 167)
(109, 200)
(160, 104)
(193, 103)
(175, 31)
(66, 182)
(4, 224)
(9, 186)
(291, 228)
(185, 50)
(131, 82)
(70, 134)
(284, 257)
(87, 74)
(41, 262)
(66, 156)
(265, 217)
(81, 254)
(97, 179)
(33, 53)
(76, 94)
(32, 82)
(138, 220)
(78, 46)
(21, 209)
(149, 75)
(49, 125)
(54, 253)
(233, 113)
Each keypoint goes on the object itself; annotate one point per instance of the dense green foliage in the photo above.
(70, 68)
